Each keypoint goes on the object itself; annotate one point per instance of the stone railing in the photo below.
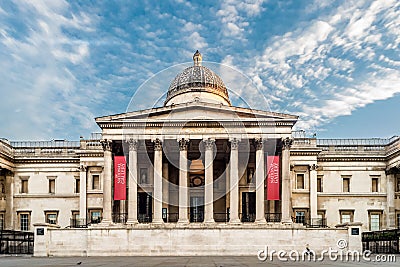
(90, 145)
(6, 148)
(45, 148)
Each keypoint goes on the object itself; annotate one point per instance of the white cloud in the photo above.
(234, 15)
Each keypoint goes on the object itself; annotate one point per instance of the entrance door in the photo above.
(145, 207)
(196, 209)
(248, 206)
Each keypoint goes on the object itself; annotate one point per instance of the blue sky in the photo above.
(336, 64)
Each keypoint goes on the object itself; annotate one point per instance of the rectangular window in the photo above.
(319, 183)
(374, 221)
(1, 221)
(398, 184)
(143, 176)
(398, 220)
(75, 214)
(52, 186)
(346, 184)
(346, 216)
(300, 181)
(77, 185)
(95, 216)
(300, 216)
(375, 184)
(51, 217)
(24, 186)
(24, 221)
(96, 181)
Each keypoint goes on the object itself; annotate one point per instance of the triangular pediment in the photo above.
(197, 111)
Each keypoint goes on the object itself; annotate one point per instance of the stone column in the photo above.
(234, 182)
(9, 219)
(260, 178)
(107, 182)
(286, 190)
(183, 182)
(82, 193)
(313, 192)
(391, 212)
(227, 186)
(157, 182)
(165, 185)
(132, 182)
(209, 181)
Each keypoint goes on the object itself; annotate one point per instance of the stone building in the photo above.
(200, 160)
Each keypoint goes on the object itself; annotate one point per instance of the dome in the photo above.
(197, 83)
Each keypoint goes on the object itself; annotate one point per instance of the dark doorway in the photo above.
(248, 206)
(196, 209)
(145, 207)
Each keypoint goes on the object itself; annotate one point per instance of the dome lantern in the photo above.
(197, 83)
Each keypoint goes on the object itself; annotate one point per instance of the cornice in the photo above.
(349, 159)
(47, 160)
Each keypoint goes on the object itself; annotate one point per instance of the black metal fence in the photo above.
(119, 217)
(16, 242)
(311, 222)
(247, 217)
(221, 217)
(386, 241)
(171, 217)
(273, 217)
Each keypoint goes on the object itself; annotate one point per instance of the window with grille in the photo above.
(24, 221)
(51, 217)
(346, 216)
(374, 221)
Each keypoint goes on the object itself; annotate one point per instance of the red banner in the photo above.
(273, 178)
(119, 178)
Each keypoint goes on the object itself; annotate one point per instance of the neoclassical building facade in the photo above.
(198, 160)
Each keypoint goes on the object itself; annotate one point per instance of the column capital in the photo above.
(313, 167)
(287, 143)
(82, 168)
(259, 143)
(157, 144)
(106, 144)
(183, 144)
(133, 144)
(209, 143)
(234, 143)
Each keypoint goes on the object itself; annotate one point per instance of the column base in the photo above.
(209, 221)
(235, 221)
(105, 222)
(261, 221)
(183, 221)
(287, 221)
(157, 221)
(132, 221)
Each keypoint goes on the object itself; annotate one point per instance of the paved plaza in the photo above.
(8, 261)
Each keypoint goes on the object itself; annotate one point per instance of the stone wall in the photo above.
(190, 241)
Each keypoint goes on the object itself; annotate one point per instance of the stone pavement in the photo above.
(8, 261)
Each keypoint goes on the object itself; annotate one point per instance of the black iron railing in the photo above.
(247, 217)
(77, 223)
(310, 222)
(273, 217)
(16, 242)
(386, 241)
(221, 217)
(171, 217)
(316, 223)
(120, 217)
(145, 218)
(196, 217)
